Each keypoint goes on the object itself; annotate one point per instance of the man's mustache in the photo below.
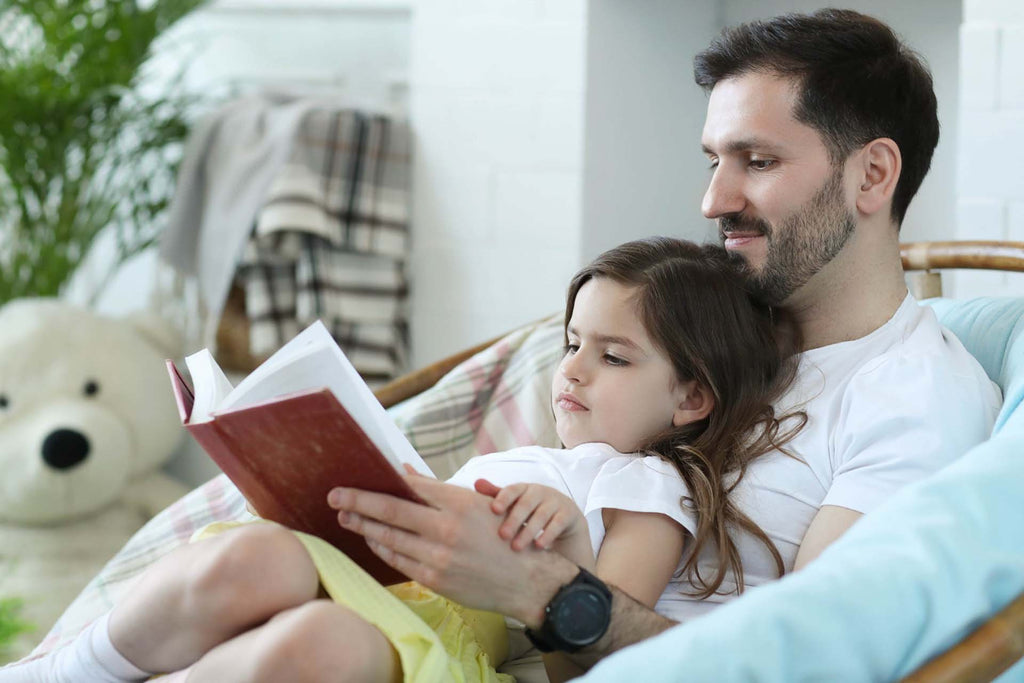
(739, 223)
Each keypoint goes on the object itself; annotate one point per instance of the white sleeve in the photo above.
(525, 464)
(901, 420)
(641, 484)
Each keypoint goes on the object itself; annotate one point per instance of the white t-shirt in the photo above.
(883, 410)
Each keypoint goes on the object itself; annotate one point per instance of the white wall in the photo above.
(931, 28)
(497, 109)
(990, 182)
(644, 173)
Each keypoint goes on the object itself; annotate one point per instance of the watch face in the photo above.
(581, 616)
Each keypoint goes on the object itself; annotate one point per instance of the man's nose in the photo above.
(724, 195)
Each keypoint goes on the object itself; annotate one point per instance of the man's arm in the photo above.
(452, 546)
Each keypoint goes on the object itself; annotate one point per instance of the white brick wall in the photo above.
(497, 106)
(990, 181)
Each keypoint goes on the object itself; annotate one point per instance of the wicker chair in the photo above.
(981, 656)
(999, 642)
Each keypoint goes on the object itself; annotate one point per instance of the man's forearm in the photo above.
(630, 623)
(452, 545)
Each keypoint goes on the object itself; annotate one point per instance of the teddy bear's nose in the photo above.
(65, 448)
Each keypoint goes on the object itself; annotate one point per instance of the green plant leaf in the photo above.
(81, 150)
(11, 623)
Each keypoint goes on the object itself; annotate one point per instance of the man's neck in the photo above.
(849, 298)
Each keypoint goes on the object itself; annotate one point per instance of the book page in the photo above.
(352, 390)
(313, 360)
(209, 384)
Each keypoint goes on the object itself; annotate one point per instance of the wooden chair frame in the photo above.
(998, 643)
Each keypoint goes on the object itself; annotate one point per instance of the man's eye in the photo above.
(761, 164)
(712, 164)
(615, 360)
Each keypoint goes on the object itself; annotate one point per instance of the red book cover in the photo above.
(284, 455)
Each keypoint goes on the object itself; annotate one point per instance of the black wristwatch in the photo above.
(576, 617)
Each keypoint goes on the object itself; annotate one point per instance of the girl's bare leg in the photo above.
(209, 592)
(315, 642)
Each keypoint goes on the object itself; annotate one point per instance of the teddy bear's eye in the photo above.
(4, 403)
(91, 388)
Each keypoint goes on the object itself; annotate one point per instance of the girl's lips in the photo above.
(569, 402)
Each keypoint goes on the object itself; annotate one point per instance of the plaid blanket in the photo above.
(331, 240)
(496, 400)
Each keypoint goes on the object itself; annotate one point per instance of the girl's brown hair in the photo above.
(694, 305)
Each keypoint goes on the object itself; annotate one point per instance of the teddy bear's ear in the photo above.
(158, 331)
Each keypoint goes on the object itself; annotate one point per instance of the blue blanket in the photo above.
(904, 584)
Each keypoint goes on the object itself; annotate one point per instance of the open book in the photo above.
(300, 424)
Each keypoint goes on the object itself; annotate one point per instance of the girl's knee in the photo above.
(260, 566)
(322, 640)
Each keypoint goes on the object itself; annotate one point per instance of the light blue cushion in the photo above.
(906, 582)
(991, 329)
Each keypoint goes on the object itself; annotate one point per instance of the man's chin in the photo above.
(742, 262)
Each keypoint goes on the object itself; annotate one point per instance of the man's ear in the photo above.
(695, 403)
(878, 167)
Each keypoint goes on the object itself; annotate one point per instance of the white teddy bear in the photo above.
(87, 417)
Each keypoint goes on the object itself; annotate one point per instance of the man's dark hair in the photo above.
(858, 82)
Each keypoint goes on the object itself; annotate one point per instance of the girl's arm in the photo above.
(640, 552)
(542, 516)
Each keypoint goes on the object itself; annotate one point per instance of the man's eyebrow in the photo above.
(609, 339)
(743, 145)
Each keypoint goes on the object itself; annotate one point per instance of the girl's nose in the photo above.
(573, 368)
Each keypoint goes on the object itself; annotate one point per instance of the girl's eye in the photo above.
(571, 348)
(615, 360)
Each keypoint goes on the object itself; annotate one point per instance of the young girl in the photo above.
(662, 399)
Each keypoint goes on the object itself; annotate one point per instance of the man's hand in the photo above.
(452, 545)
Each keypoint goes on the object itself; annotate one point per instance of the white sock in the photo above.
(89, 657)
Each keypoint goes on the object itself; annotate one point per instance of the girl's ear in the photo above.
(695, 403)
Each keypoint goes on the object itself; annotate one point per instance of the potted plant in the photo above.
(11, 625)
(82, 148)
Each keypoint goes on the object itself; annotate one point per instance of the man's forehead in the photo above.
(753, 110)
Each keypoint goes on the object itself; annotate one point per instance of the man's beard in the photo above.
(799, 246)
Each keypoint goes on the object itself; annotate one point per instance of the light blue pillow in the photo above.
(905, 583)
(990, 328)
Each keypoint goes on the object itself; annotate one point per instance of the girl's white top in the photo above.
(596, 476)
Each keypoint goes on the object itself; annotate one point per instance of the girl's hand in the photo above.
(534, 513)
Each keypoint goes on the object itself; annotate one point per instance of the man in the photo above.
(819, 131)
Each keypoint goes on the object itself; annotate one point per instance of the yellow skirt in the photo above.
(436, 639)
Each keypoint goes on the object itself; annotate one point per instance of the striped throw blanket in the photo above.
(331, 242)
(497, 400)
